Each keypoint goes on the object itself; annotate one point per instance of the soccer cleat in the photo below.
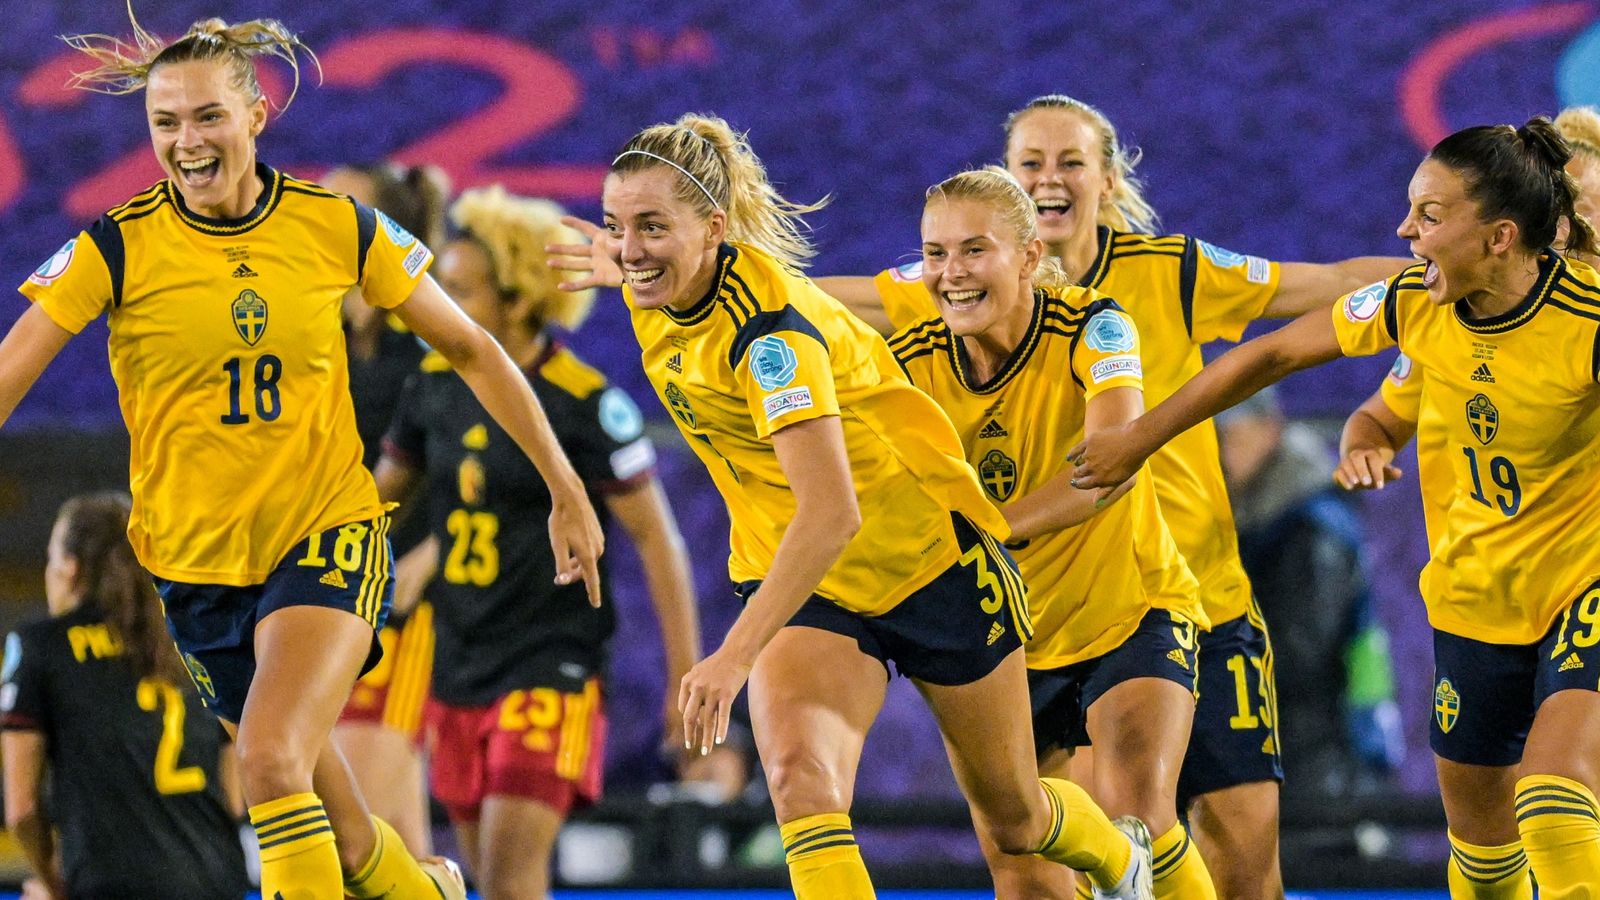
(1136, 881)
(446, 877)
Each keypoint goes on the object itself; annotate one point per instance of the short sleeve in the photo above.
(603, 435)
(1230, 290)
(75, 285)
(1365, 320)
(406, 441)
(392, 261)
(905, 298)
(782, 361)
(1402, 389)
(1106, 354)
(22, 689)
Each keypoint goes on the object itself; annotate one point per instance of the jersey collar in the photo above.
(727, 255)
(271, 192)
(1019, 356)
(1102, 259)
(1551, 265)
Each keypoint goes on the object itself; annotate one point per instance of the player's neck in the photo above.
(1506, 286)
(1077, 253)
(990, 350)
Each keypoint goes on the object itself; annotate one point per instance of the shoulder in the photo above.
(31, 643)
(564, 370)
(1067, 312)
(919, 339)
(1128, 244)
(142, 204)
(1577, 291)
(316, 193)
(433, 363)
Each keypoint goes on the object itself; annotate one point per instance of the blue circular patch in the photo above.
(1109, 332)
(620, 416)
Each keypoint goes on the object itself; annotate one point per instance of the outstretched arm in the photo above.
(29, 347)
(575, 533)
(1113, 456)
(1303, 287)
(1056, 504)
(860, 296)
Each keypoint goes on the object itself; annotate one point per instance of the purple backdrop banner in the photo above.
(1284, 130)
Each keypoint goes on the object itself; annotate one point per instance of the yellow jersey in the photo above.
(1402, 393)
(230, 364)
(765, 349)
(1181, 292)
(1088, 585)
(1516, 408)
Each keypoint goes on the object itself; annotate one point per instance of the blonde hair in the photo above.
(124, 68)
(1580, 125)
(1125, 209)
(513, 232)
(1001, 192)
(724, 173)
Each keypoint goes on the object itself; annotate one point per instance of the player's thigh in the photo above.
(1479, 801)
(516, 836)
(1236, 829)
(1140, 729)
(813, 696)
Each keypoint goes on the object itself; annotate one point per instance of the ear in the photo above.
(1504, 236)
(716, 228)
(1032, 253)
(258, 116)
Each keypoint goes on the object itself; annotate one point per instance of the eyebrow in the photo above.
(197, 110)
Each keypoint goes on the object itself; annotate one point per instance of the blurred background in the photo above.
(1282, 130)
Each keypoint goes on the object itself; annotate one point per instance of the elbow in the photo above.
(464, 349)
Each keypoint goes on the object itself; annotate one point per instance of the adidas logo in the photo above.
(993, 430)
(244, 271)
(1573, 662)
(1482, 373)
(334, 578)
(1177, 656)
(675, 363)
(996, 631)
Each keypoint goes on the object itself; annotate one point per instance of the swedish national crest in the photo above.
(250, 316)
(1483, 418)
(1446, 705)
(998, 472)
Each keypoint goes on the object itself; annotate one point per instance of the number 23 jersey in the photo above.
(230, 364)
(1516, 399)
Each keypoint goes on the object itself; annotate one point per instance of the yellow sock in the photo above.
(824, 861)
(1179, 871)
(391, 871)
(298, 859)
(1561, 834)
(1081, 890)
(1081, 837)
(1488, 873)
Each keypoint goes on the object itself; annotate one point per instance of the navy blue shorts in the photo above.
(346, 567)
(954, 630)
(1163, 646)
(1485, 695)
(1235, 736)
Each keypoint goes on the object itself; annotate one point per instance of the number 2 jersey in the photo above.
(134, 786)
(766, 348)
(1516, 402)
(1089, 585)
(230, 362)
(502, 622)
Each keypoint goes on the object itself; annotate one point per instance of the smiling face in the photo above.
(203, 129)
(1057, 156)
(467, 275)
(667, 251)
(1445, 231)
(973, 266)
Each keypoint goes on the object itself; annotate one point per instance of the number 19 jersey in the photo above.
(231, 367)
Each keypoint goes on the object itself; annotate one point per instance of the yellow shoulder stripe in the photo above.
(434, 362)
(566, 371)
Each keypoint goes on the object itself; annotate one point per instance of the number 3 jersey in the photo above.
(1516, 406)
(135, 789)
(503, 623)
(231, 370)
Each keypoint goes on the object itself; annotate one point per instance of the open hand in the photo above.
(705, 698)
(594, 263)
(1366, 469)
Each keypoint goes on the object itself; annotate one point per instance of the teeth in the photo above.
(194, 165)
(643, 276)
(962, 296)
(1052, 204)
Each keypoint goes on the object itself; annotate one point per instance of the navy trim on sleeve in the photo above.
(366, 229)
(1391, 316)
(765, 323)
(1187, 272)
(107, 236)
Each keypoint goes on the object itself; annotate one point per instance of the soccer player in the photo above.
(1116, 610)
(859, 536)
(517, 721)
(1505, 332)
(96, 701)
(250, 505)
(379, 731)
(1181, 292)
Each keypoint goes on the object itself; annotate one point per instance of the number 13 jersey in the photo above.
(230, 364)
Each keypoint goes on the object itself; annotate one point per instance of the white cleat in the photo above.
(446, 877)
(1136, 881)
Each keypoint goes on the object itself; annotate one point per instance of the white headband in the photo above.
(669, 162)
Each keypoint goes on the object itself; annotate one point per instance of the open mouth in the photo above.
(961, 301)
(199, 172)
(1053, 209)
(1430, 272)
(638, 278)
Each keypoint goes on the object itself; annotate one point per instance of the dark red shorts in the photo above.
(395, 692)
(539, 744)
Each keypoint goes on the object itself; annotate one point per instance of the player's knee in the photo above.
(1015, 837)
(803, 785)
(271, 767)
